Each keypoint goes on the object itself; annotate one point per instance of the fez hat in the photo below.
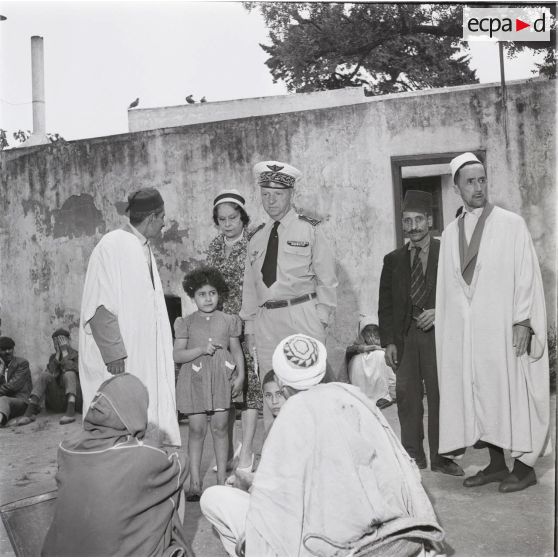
(273, 174)
(6, 343)
(457, 162)
(417, 200)
(61, 332)
(299, 361)
(229, 196)
(144, 200)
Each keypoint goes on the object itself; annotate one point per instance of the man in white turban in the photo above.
(491, 335)
(329, 465)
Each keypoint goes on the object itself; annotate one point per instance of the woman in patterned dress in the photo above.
(227, 253)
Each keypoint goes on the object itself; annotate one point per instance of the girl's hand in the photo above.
(237, 385)
(210, 349)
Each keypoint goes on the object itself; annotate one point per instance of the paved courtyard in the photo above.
(478, 521)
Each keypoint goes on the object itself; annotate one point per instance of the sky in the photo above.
(100, 56)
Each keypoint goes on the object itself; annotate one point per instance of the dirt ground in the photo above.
(478, 522)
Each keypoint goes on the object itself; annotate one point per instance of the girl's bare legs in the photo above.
(219, 423)
(197, 427)
(249, 424)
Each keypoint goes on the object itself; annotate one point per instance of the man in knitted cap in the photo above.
(289, 277)
(330, 465)
(58, 383)
(15, 382)
(124, 325)
(491, 335)
(406, 315)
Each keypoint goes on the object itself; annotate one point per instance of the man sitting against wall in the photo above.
(15, 381)
(59, 383)
(333, 477)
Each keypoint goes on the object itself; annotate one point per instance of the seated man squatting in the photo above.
(359, 471)
(367, 367)
(58, 383)
(15, 382)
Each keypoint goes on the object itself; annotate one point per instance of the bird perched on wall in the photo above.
(134, 104)
(203, 100)
(190, 100)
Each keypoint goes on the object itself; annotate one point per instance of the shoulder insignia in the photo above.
(311, 220)
(252, 233)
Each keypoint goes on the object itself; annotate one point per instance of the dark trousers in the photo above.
(55, 393)
(12, 407)
(417, 365)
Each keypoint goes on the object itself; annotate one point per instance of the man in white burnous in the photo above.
(124, 325)
(491, 335)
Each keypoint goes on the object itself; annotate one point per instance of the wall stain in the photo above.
(77, 217)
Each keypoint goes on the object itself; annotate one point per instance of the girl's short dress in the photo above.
(204, 384)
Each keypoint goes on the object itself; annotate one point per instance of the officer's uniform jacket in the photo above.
(305, 265)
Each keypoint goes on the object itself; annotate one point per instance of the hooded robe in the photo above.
(486, 392)
(119, 279)
(117, 494)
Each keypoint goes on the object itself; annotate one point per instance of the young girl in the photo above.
(210, 374)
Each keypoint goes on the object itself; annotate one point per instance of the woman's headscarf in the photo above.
(117, 413)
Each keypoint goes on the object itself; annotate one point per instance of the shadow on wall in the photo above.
(345, 325)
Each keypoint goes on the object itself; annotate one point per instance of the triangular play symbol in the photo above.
(519, 25)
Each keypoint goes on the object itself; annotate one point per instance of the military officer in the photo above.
(289, 277)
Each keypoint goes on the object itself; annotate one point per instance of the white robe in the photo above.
(118, 278)
(372, 375)
(486, 392)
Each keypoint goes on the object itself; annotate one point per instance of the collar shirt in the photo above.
(424, 246)
(305, 265)
(470, 220)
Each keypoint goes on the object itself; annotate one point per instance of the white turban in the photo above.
(457, 162)
(369, 319)
(299, 361)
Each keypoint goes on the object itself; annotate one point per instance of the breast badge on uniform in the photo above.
(311, 220)
(298, 243)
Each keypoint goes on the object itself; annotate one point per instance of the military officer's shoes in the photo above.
(482, 478)
(446, 466)
(512, 483)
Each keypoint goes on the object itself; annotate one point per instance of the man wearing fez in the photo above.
(406, 316)
(289, 279)
(15, 382)
(59, 383)
(491, 335)
(124, 324)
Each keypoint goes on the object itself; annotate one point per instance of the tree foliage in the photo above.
(385, 47)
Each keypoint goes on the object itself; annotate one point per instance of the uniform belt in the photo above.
(270, 304)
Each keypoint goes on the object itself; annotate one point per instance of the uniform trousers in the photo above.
(12, 407)
(274, 324)
(55, 393)
(418, 364)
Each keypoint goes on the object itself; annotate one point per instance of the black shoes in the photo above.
(512, 483)
(420, 461)
(482, 478)
(447, 466)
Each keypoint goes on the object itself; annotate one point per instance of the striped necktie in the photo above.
(418, 283)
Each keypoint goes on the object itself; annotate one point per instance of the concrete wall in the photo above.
(182, 115)
(57, 201)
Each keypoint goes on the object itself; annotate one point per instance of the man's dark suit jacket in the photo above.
(16, 380)
(394, 306)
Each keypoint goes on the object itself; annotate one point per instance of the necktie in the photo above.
(418, 283)
(269, 267)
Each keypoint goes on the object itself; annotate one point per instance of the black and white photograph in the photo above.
(277, 278)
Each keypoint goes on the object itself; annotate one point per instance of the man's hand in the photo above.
(391, 356)
(116, 366)
(426, 320)
(521, 335)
